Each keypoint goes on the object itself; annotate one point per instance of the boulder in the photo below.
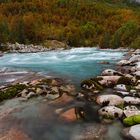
(120, 87)
(111, 72)
(131, 111)
(110, 112)
(30, 94)
(24, 93)
(137, 73)
(92, 84)
(123, 63)
(135, 58)
(132, 120)
(114, 100)
(104, 62)
(39, 91)
(132, 100)
(68, 115)
(108, 80)
(55, 89)
(123, 93)
(68, 89)
(135, 132)
(52, 96)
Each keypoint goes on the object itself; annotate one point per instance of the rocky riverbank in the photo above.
(121, 100)
(112, 96)
(22, 48)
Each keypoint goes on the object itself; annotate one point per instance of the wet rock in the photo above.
(123, 62)
(39, 91)
(24, 93)
(104, 62)
(51, 96)
(135, 132)
(111, 72)
(110, 112)
(123, 93)
(70, 89)
(105, 100)
(132, 100)
(68, 115)
(92, 84)
(135, 58)
(30, 95)
(108, 81)
(55, 89)
(120, 87)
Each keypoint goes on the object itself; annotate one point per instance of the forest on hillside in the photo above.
(107, 23)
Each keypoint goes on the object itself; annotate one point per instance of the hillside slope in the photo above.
(109, 23)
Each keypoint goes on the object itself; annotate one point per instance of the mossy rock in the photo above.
(132, 120)
(54, 44)
(125, 80)
(11, 91)
(91, 82)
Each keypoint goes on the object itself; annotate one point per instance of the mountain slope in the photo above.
(109, 23)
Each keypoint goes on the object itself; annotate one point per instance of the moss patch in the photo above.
(11, 91)
(132, 120)
(125, 80)
(91, 82)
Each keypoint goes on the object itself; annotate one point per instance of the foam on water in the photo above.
(79, 63)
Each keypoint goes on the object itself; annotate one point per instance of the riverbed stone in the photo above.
(111, 72)
(114, 100)
(39, 91)
(131, 111)
(30, 95)
(132, 100)
(120, 87)
(110, 112)
(108, 81)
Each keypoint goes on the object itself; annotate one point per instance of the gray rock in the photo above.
(111, 72)
(132, 132)
(114, 100)
(131, 111)
(120, 87)
(31, 94)
(135, 58)
(110, 112)
(123, 62)
(52, 96)
(39, 91)
(132, 100)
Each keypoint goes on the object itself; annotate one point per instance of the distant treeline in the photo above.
(108, 23)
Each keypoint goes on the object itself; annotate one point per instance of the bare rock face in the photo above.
(110, 112)
(114, 100)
